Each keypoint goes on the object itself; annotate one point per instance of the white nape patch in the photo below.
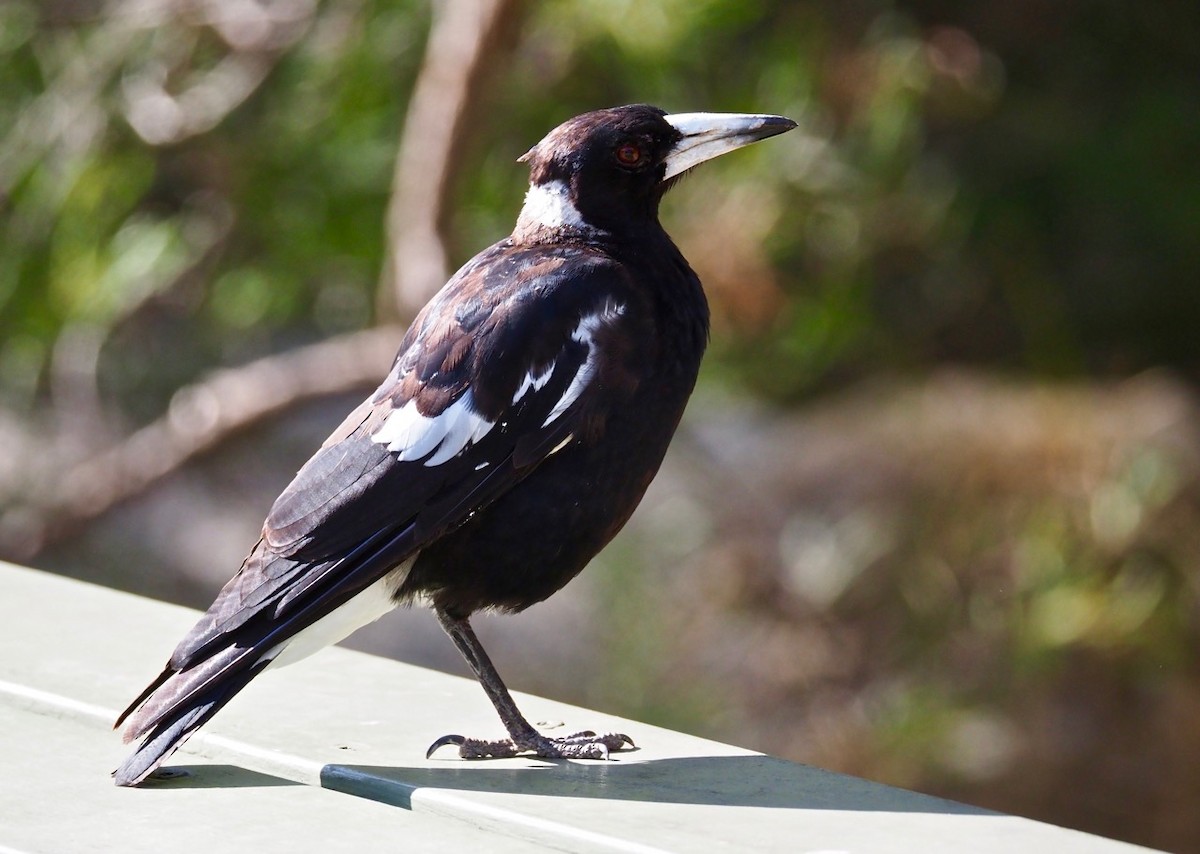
(534, 382)
(549, 205)
(585, 333)
(365, 608)
(411, 435)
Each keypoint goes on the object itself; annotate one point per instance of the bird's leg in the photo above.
(523, 738)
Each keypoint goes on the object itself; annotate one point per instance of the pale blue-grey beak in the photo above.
(709, 135)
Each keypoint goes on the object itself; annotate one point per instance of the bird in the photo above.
(530, 404)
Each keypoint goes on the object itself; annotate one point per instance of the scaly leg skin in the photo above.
(581, 745)
(523, 738)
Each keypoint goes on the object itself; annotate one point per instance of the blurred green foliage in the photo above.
(952, 193)
(263, 230)
(1010, 186)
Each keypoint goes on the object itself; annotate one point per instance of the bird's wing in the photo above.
(511, 362)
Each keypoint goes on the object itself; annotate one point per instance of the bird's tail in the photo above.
(177, 704)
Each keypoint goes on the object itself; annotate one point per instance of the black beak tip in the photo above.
(775, 125)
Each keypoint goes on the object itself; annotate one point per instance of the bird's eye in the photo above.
(629, 154)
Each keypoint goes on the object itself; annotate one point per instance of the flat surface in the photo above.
(52, 801)
(352, 730)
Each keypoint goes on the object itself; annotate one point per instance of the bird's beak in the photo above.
(709, 135)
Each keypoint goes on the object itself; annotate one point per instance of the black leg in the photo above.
(522, 736)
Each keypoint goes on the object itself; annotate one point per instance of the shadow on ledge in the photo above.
(207, 776)
(749, 781)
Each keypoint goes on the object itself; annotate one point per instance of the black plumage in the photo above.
(527, 411)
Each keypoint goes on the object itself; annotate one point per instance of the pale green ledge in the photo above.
(328, 755)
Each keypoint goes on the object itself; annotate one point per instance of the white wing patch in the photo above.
(411, 435)
(585, 333)
(533, 381)
(549, 206)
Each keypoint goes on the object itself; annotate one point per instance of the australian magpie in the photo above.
(528, 409)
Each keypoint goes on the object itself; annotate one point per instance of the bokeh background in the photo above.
(933, 517)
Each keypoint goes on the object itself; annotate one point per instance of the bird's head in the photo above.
(607, 170)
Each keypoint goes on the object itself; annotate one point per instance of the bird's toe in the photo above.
(581, 745)
(456, 740)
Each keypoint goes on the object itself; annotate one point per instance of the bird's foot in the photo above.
(581, 745)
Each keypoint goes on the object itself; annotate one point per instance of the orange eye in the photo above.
(629, 154)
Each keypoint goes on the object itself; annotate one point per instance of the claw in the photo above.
(456, 740)
(580, 745)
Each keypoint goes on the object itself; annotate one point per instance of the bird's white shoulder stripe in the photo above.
(534, 381)
(411, 435)
(549, 205)
(585, 333)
